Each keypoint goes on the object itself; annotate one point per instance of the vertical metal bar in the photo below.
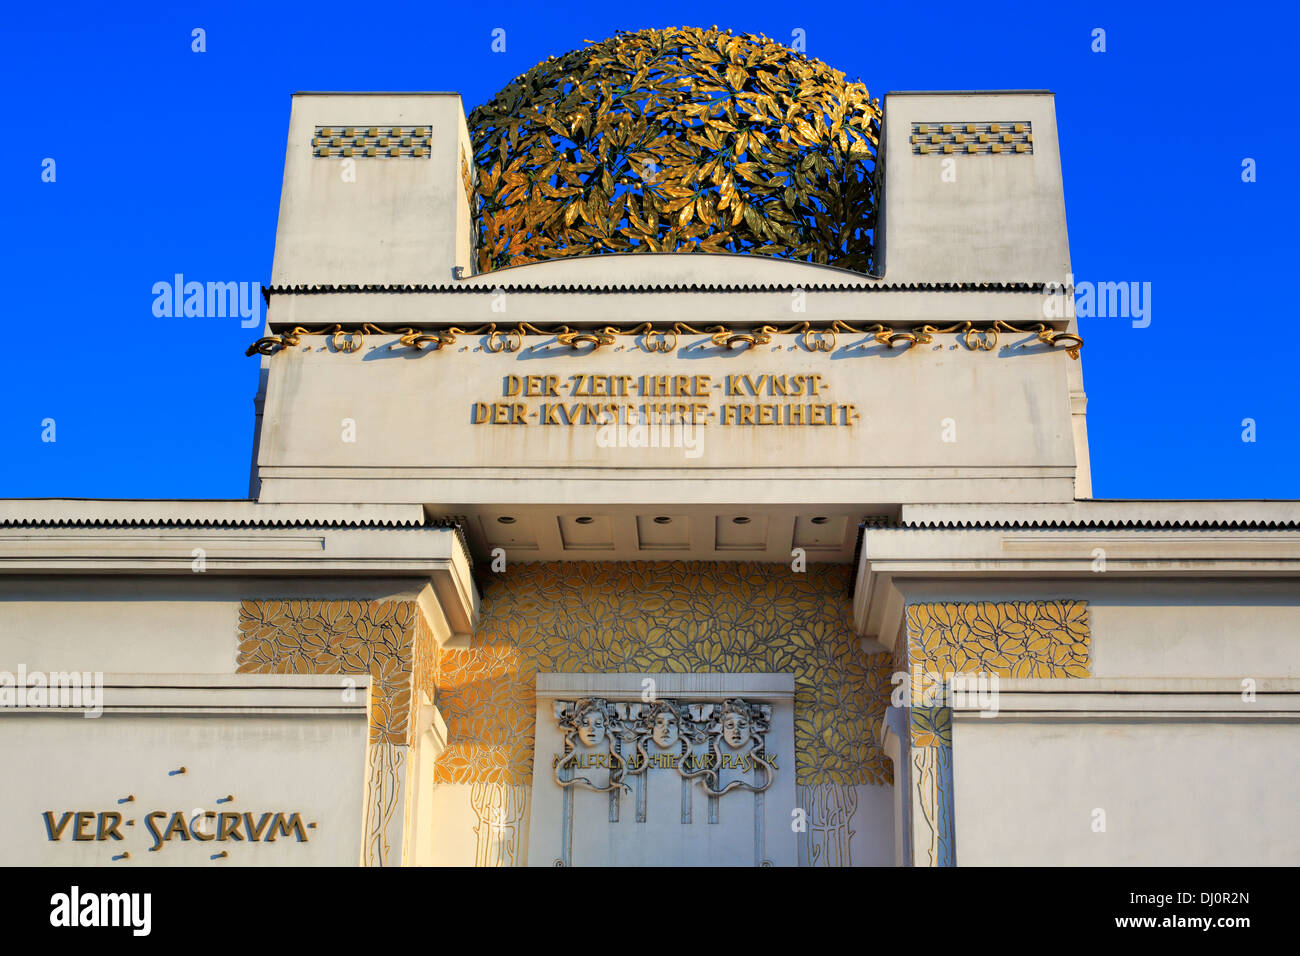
(566, 821)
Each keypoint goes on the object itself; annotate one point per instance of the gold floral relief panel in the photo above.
(1007, 639)
(424, 665)
(340, 637)
(676, 617)
(1010, 638)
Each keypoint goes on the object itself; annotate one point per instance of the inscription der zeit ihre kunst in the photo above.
(757, 399)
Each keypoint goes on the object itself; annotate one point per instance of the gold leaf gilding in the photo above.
(677, 111)
(647, 617)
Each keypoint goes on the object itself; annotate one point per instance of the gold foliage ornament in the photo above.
(1011, 639)
(663, 617)
(375, 638)
(677, 140)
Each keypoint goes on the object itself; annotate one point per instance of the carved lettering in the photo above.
(775, 400)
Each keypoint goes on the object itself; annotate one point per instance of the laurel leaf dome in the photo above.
(676, 140)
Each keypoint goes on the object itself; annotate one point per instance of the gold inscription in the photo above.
(578, 400)
(695, 761)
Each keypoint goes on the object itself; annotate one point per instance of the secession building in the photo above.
(682, 461)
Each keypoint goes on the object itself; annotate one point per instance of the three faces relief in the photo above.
(723, 745)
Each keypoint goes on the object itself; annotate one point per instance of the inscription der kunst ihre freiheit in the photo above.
(722, 745)
(594, 399)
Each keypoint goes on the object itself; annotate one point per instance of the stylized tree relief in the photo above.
(1006, 639)
(648, 617)
(385, 640)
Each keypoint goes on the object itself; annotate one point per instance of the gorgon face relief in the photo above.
(665, 732)
(699, 740)
(591, 729)
(735, 730)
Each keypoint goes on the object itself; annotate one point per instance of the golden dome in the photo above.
(677, 140)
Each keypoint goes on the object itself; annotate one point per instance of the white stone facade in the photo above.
(391, 477)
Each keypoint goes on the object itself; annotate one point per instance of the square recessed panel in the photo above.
(826, 536)
(519, 534)
(594, 535)
(671, 535)
(750, 535)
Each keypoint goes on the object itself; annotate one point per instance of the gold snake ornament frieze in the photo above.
(586, 341)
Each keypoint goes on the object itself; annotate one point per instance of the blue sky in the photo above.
(170, 161)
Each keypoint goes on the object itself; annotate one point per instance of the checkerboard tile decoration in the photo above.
(386, 142)
(966, 138)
